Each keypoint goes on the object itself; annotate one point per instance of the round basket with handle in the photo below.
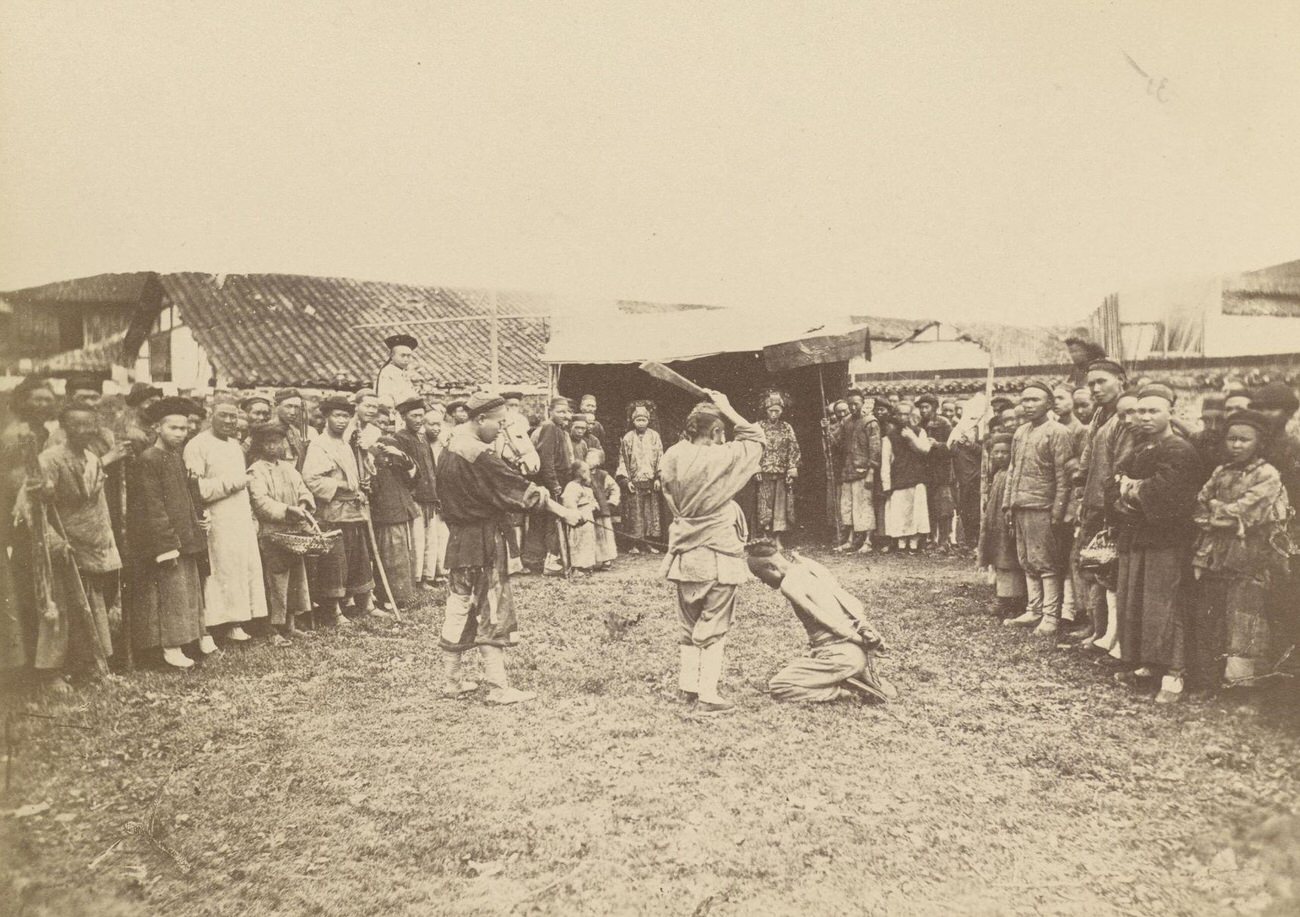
(314, 543)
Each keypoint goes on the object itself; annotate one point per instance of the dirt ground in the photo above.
(331, 778)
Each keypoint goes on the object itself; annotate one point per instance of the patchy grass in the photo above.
(331, 778)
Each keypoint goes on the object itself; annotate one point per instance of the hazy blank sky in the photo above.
(945, 159)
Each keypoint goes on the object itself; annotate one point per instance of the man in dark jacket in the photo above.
(480, 491)
(855, 444)
(1037, 489)
(555, 453)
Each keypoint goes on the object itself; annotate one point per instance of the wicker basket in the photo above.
(305, 544)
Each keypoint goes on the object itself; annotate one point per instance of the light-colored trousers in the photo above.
(817, 677)
(429, 537)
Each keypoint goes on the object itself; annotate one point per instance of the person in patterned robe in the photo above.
(640, 452)
(777, 472)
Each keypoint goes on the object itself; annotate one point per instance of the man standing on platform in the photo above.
(394, 381)
(479, 492)
(701, 475)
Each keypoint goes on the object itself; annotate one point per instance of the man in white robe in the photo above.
(233, 593)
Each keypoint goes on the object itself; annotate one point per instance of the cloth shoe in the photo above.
(1033, 604)
(1047, 627)
(207, 646)
(454, 684)
(1171, 689)
(237, 634)
(173, 656)
(494, 672)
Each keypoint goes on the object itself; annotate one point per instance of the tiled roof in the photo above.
(101, 289)
(97, 357)
(284, 329)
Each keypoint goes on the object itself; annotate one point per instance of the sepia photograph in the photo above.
(732, 459)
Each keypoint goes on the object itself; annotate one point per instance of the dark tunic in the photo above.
(555, 452)
(479, 492)
(425, 486)
(997, 544)
(1155, 536)
(856, 445)
(162, 517)
(391, 502)
(909, 467)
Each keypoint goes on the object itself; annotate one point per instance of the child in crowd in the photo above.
(607, 495)
(1242, 512)
(997, 544)
(168, 541)
(281, 503)
(841, 644)
(579, 494)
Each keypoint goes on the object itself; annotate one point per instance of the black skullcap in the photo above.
(336, 403)
(927, 398)
(401, 340)
(168, 407)
(285, 394)
(1214, 401)
(1039, 384)
(1108, 366)
(1251, 418)
(481, 403)
(266, 431)
(1158, 390)
(252, 400)
(410, 404)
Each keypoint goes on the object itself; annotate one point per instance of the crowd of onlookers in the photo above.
(1104, 522)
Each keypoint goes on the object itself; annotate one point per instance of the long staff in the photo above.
(374, 547)
(126, 577)
(832, 482)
